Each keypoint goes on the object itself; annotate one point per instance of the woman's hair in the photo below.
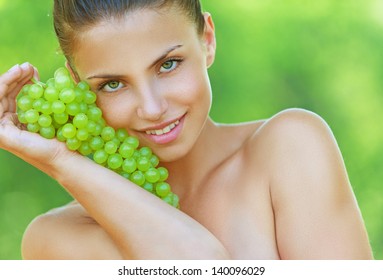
(71, 17)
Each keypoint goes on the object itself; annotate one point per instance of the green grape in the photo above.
(116, 141)
(124, 174)
(51, 94)
(79, 95)
(60, 118)
(25, 103)
(31, 116)
(136, 154)
(152, 175)
(59, 135)
(55, 124)
(73, 143)
(171, 199)
(69, 130)
(137, 177)
(83, 85)
(63, 82)
(101, 122)
(126, 150)
(143, 163)
(132, 141)
(115, 161)
(58, 107)
(25, 89)
(37, 104)
(91, 126)
(67, 95)
(21, 117)
(100, 156)
(62, 71)
(97, 130)
(48, 132)
(149, 187)
(154, 160)
(162, 189)
(33, 127)
(44, 120)
(168, 198)
(163, 173)
(121, 134)
(82, 134)
(94, 114)
(46, 108)
(72, 109)
(96, 143)
(129, 165)
(108, 133)
(51, 82)
(80, 120)
(85, 149)
(90, 97)
(83, 107)
(36, 91)
(110, 147)
(176, 200)
(146, 152)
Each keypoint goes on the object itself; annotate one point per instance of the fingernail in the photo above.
(24, 66)
(14, 68)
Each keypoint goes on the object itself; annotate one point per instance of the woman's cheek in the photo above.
(193, 88)
(117, 111)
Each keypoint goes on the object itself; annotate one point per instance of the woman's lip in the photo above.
(162, 125)
(166, 137)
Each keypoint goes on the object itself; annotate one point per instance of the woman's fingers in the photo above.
(11, 83)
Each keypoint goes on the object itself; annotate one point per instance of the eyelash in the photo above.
(102, 86)
(177, 61)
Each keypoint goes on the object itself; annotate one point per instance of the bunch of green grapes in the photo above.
(65, 110)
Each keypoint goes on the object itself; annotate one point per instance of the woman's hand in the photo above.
(31, 147)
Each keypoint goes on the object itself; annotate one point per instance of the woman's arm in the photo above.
(141, 225)
(316, 214)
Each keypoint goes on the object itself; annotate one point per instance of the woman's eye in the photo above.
(168, 66)
(112, 86)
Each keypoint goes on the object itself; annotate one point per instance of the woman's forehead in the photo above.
(142, 35)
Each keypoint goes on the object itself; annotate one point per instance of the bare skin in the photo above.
(270, 189)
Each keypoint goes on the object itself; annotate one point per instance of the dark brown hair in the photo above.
(71, 17)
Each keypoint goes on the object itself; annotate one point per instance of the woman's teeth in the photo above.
(164, 130)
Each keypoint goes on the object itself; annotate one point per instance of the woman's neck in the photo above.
(188, 173)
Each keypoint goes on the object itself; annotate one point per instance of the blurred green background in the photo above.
(324, 55)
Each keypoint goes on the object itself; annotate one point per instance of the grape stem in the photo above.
(33, 80)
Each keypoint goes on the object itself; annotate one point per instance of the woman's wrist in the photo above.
(62, 163)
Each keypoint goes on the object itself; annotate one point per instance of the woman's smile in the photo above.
(166, 132)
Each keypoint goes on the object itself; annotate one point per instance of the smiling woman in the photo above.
(266, 189)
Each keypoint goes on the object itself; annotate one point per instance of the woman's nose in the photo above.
(152, 105)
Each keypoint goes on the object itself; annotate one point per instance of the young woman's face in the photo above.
(149, 71)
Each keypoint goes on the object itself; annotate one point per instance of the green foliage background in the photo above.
(324, 55)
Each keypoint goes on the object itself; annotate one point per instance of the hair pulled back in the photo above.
(71, 17)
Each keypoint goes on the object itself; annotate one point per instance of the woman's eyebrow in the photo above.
(164, 55)
(104, 76)
(112, 76)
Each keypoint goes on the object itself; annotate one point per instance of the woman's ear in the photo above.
(72, 72)
(209, 39)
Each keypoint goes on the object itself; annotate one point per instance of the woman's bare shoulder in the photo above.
(293, 141)
(309, 187)
(67, 232)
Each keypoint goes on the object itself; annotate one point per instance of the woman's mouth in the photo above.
(165, 134)
(165, 130)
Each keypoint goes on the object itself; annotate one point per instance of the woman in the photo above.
(270, 189)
